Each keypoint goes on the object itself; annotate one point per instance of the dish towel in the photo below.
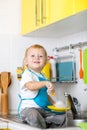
(83, 125)
(85, 65)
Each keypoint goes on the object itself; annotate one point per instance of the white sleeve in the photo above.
(26, 77)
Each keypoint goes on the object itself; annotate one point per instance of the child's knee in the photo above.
(33, 114)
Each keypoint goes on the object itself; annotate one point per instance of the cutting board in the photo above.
(85, 65)
(65, 71)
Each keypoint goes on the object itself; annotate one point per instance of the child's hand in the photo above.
(50, 88)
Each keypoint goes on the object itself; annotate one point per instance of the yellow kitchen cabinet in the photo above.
(61, 9)
(28, 9)
(40, 13)
(80, 5)
(35, 14)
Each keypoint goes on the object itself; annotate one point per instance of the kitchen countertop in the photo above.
(13, 122)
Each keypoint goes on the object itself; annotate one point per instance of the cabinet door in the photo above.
(35, 14)
(80, 5)
(61, 9)
(28, 15)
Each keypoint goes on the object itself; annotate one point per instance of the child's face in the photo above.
(36, 59)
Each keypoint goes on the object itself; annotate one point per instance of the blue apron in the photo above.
(42, 98)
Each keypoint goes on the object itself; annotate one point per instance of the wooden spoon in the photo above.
(0, 93)
(4, 104)
(5, 81)
(0, 82)
(81, 70)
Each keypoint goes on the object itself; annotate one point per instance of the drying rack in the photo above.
(68, 59)
(71, 54)
(71, 46)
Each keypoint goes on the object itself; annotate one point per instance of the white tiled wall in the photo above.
(13, 45)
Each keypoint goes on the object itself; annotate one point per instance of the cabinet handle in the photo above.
(42, 11)
(36, 12)
(41, 18)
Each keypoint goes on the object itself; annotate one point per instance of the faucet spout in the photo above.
(85, 89)
(71, 103)
(66, 94)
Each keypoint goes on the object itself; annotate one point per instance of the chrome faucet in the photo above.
(66, 100)
(69, 101)
(85, 89)
(66, 94)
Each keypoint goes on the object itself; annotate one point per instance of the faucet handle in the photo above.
(85, 89)
(66, 94)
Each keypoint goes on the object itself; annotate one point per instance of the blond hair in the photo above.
(36, 46)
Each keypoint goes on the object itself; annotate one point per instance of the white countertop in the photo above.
(14, 124)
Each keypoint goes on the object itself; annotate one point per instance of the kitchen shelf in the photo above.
(73, 81)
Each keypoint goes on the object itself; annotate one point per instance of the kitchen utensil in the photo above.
(0, 101)
(51, 107)
(0, 93)
(4, 104)
(5, 81)
(85, 65)
(81, 70)
(0, 80)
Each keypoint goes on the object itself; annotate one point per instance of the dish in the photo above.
(56, 109)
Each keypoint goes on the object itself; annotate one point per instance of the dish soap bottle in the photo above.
(47, 70)
(53, 68)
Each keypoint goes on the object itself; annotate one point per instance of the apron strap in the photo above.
(19, 106)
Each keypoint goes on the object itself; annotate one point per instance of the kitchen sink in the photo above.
(75, 122)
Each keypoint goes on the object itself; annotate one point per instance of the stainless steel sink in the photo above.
(75, 122)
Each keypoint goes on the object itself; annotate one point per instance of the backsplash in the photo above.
(13, 46)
